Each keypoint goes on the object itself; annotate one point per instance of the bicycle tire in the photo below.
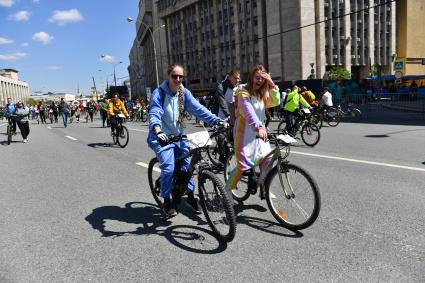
(217, 199)
(333, 120)
(241, 193)
(123, 141)
(9, 134)
(188, 116)
(355, 115)
(316, 120)
(154, 183)
(307, 218)
(310, 130)
(281, 127)
(114, 136)
(144, 118)
(213, 150)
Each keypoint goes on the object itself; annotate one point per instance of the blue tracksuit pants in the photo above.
(166, 156)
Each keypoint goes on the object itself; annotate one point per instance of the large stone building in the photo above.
(11, 86)
(294, 39)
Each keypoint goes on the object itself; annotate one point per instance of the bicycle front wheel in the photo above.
(310, 134)
(9, 134)
(154, 180)
(355, 115)
(122, 136)
(294, 202)
(333, 117)
(241, 192)
(216, 206)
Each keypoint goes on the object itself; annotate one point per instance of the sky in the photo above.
(56, 45)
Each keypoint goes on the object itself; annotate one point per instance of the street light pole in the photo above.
(154, 47)
(115, 78)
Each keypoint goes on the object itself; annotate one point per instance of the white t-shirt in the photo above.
(228, 96)
(327, 99)
(283, 94)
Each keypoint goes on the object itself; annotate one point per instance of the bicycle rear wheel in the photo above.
(122, 136)
(294, 203)
(241, 192)
(310, 134)
(216, 206)
(333, 117)
(154, 180)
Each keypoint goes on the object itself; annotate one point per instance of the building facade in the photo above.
(294, 39)
(11, 86)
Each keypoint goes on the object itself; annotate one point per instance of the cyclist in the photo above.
(90, 111)
(116, 106)
(223, 97)
(42, 112)
(292, 102)
(10, 109)
(259, 93)
(309, 96)
(326, 100)
(168, 103)
(55, 111)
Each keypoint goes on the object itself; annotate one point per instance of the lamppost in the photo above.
(114, 65)
(129, 19)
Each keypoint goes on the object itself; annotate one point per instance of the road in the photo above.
(76, 209)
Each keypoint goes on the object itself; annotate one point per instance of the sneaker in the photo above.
(25, 140)
(169, 208)
(193, 203)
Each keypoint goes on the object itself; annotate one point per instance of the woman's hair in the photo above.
(171, 68)
(250, 82)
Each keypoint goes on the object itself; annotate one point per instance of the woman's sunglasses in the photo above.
(177, 76)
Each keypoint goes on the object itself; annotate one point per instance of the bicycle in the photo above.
(10, 131)
(120, 136)
(310, 133)
(215, 201)
(187, 115)
(352, 112)
(291, 193)
(221, 146)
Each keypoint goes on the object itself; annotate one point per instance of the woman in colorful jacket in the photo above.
(168, 102)
(259, 93)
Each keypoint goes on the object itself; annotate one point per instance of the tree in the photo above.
(31, 101)
(337, 73)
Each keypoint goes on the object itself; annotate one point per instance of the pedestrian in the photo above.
(64, 109)
(21, 112)
(42, 110)
(78, 113)
(104, 111)
(250, 134)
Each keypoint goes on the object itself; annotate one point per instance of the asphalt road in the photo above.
(74, 208)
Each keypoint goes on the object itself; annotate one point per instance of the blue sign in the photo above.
(398, 65)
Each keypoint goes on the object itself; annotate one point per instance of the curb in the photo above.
(403, 108)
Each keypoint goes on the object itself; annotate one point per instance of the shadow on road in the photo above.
(101, 144)
(387, 135)
(263, 224)
(99, 127)
(147, 219)
(4, 143)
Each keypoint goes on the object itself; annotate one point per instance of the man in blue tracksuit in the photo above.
(10, 110)
(167, 105)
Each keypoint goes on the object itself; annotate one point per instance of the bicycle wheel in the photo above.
(189, 116)
(122, 136)
(281, 127)
(216, 206)
(241, 192)
(310, 134)
(355, 115)
(144, 117)
(9, 134)
(154, 180)
(213, 150)
(294, 203)
(333, 117)
(316, 120)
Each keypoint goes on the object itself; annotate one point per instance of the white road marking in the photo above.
(1, 125)
(48, 127)
(360, 161)
(138, 130)
(71, 138)
(156, 169)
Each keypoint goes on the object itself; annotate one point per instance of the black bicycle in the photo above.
(10, 131)
(310, 133)
(215, 201)
(120, 136)
(221, 145)
(291, 193)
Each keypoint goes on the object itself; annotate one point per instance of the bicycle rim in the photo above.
(154, 180)
(213, 150)
(281, 127)
(356, 115)
(9, 135)
(123, 137)
(299, 207)
(310, 134)
(241, 192)
(216, 206)
(333, 118)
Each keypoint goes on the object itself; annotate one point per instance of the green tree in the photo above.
(31, 101)
(337, 73)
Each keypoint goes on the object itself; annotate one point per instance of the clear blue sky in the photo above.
(57, 44)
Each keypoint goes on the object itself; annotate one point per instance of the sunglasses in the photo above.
(175, 77)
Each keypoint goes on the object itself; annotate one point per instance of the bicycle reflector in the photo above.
(282, 214)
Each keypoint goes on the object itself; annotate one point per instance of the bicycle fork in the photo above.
(291, 193)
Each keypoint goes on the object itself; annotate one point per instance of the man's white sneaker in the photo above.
(25, 140)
